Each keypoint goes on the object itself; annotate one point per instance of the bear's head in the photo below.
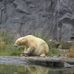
(20, 41)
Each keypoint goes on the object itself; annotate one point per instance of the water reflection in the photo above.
(15, 69)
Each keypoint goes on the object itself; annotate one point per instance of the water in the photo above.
(31, 69)
(15, 65)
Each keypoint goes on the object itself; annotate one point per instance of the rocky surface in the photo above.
(41, 61)
(53, 18)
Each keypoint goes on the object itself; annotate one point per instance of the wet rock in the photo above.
(38, 16)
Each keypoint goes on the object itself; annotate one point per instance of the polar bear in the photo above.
(36, 46)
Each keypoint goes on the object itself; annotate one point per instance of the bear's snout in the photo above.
(15, 45)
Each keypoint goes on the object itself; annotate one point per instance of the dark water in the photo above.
(16, 65)
(31, 69)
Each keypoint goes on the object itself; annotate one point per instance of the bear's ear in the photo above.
(25, 42)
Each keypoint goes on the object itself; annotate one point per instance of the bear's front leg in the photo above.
(29, 52)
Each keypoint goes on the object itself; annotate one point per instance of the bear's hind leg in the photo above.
(42, 55)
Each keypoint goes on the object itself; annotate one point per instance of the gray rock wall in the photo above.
(53, 18)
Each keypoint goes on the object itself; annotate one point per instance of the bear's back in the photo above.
(34, 39)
